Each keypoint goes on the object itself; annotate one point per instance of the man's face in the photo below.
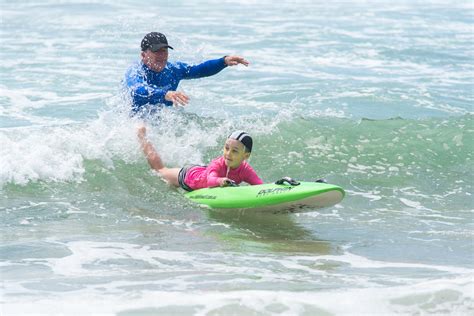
(155, 60)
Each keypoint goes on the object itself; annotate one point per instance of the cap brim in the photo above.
(157, 47)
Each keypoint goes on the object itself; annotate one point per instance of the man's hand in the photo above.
(177, 97)
(235, 60)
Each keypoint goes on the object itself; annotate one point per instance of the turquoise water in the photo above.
(374, 96)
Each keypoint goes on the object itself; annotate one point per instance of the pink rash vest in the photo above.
(199, 177)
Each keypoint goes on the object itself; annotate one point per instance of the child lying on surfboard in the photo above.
(225, 170)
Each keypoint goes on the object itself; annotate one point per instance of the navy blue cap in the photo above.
(154, 41)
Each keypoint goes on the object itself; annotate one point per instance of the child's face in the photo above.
(234, 153)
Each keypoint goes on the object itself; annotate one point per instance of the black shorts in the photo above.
(182, 176)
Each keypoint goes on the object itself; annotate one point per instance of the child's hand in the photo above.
(226, 182)
(142, 132)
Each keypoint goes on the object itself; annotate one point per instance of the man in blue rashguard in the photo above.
(152, 82)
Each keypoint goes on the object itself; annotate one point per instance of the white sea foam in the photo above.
(349, 302)
(451, 292)
(89, 258)
(57, 153)
(371, 195)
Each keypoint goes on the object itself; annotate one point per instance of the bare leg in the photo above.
(170, 175)
(154, 160)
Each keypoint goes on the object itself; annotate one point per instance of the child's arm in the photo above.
(213, 180)
(251, 176)
(154, 159)
(216, 171)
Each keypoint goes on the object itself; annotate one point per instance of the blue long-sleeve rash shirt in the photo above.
(150, 87)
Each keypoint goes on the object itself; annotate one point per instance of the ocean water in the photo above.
(375, 96)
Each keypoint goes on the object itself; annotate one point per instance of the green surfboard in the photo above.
(270, 197)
